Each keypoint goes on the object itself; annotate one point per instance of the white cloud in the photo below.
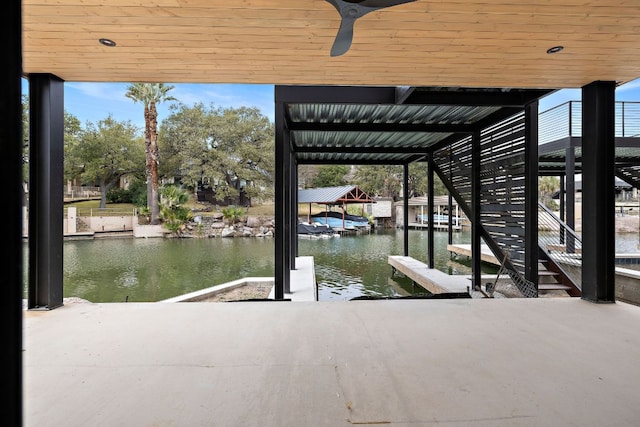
(227, 96)
(632, 85)
(103, 91)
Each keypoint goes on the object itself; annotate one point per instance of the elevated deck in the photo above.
(434, 281)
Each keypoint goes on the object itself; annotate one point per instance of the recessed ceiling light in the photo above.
(554, 49)
(107, 42)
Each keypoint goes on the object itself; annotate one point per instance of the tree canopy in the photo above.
(226, 148)
(103, 153)
(331, 176)
(387, 180)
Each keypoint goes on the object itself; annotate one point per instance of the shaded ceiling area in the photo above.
(456, 43)
(389, 125)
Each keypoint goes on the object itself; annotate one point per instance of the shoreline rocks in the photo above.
(216, 226)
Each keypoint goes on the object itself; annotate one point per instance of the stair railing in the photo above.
(561, 244)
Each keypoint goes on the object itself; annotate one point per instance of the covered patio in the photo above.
(453, 84)
(458, 362)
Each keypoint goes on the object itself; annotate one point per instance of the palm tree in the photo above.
(151, 94)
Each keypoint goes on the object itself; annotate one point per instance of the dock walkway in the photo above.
(486, 254)
(434, 281)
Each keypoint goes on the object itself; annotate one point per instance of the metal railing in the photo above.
(93, 212)
(81, 192)
(561, 244)
(565, 120)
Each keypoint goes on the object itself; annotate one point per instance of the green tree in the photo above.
(151, 94)
(172, 209)
(307, 174)
(380, 180)
(73, 136)
(387, 180)
(418, 181)
(331, 176)
(106, 152)
(229, 149)
(547, 187)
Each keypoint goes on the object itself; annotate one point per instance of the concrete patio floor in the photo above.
(465, 362)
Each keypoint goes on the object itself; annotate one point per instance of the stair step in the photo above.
(553, 287)
(547, 273)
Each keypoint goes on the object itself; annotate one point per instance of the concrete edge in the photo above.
(213, 290)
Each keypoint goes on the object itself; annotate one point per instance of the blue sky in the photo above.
(95, 101)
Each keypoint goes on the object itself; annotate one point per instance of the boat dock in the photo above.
(465, 250)
(433, 280)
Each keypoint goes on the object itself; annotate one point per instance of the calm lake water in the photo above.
(147, 270)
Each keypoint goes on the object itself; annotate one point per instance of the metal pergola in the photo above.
(387, 125)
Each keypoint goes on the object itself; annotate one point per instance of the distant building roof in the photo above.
(618, 184)
(334, 195)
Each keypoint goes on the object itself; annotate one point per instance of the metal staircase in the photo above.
(560, 253)
(501, 191)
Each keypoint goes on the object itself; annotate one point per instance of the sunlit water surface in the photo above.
(146, 270)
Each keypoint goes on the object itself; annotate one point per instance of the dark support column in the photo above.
(405, 207)
(450, 202)
(294, 205)
(432, 222)
(476, 230)
(570, 173)
(293, 211)
(450, 211)
(282, 273)
(46, 180)
(12, 197)
(598, 198)
(288, 209)
(562, 207)
(531, 193)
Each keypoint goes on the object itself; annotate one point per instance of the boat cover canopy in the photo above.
(344, 194)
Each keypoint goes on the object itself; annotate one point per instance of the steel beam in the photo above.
(335, 95)
(570, 173)
(511, 99)
(294, 205)
(476, 227)
(306, 149)
(561, 199)
(430, 204)
(405, 207)
(531, 193)
(281, 262)
(381, 127)
(450, 224)
(598, 198)
(46, 195)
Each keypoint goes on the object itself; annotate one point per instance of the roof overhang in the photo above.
(473, 43)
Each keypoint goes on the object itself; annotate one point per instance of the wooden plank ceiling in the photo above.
(458, 43)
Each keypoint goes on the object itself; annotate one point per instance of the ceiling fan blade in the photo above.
(378, 4)
(349, 11)
(343, 40)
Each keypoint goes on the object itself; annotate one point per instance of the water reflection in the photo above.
(353, 266)
(145, 270)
